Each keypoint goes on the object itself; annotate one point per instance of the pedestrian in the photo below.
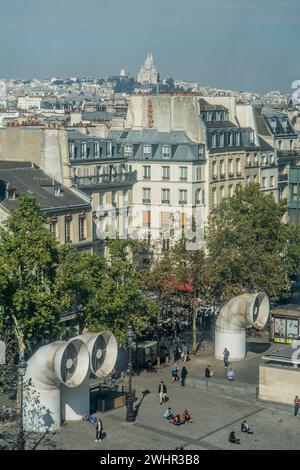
(296, 405)
(176, 420)
(231, 374)
(245, 427)
(208, 372)
(99, 430)
(168, 413)
(183, 375)
(175, 373)
(162, 390)
(233, 438)
(184, 352)
(226, 355)
(186, 417)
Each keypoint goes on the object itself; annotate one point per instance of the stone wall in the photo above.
(279, 384)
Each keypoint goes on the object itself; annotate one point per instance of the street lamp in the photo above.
(22, 366)
(130, 417)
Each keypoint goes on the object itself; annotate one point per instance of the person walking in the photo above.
(162, 390)
(296, 405)
(226, 355)
(183, 375)
(230, 374)
(175, 373)
(99, 430)
(184, 352)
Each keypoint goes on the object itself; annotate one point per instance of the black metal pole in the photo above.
(21, 439)
(130, 417)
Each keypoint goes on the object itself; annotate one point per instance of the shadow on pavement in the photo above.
(137, 407)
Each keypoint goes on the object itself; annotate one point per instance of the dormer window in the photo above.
(214, 140)
(166, 151)
(237, 139)
(222, 139)
(230, 139)
(251, 137)
(200, 151)
(108, 149)
(147, 151)
(284, 124)
(128, 150)
(11, 194)
(96, 149)
(274, 123)
(56, 191)
(71, 150)
(83, 150)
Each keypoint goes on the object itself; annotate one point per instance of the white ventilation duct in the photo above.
(244, 311)
(103, 351)
(59, 363)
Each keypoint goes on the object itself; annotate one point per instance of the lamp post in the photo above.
(22, 366)
(130, 417)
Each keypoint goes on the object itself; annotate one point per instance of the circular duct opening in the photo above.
(104, 354)
(263, 311)
(73, 363)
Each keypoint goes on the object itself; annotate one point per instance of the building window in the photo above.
(166, 151)
(230, 139)
(222, 192)
(68, 221)
(198, 196)
(291, 145)
(128, 150)
(96, 149)
(182, 196)
(222, 169)
(248, 159)
(71, 150)
(264, 182)
(237, 139)
(83, 149)
(214, 140)
(294, 192)
(230, 167)
(255, 159)
(53, 227)
(199, 173)
(238, 166)
(200, 151)
(222, 139)
(146, 218)
(165, 219)
(279, 144)
(165, 196)
(108, 149)
(81, 228)
(183, 173)
(147, 151)
(271, 181)
(251, 137)
(214, 196)
(165, 172)
(147, 172)
(254, 178)
(271, 159)
(146, 195)
(214, 170)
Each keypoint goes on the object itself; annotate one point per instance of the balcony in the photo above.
(288, 156)
(105, 181)
(166, 178)
(238, 173)
(231, 174)
(283, 178)
(146, 201)
(222, 176)
(165, 201)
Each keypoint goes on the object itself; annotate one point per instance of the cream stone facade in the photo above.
(148, 73)
(279, 384)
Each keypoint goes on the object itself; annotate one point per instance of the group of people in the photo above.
(230, 374)
(180, 351)
(177, 419)
(245, 428)
(175, 374)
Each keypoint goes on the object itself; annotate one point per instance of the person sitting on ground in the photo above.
(230, 374)
(175, 373)
(245, 427)
(233, 438)
(208, 372)
(186, 417)
(176, 420)
(168, 413)
(88, 419)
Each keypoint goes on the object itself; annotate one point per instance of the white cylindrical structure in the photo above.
(51, 366)
(103, 351)
(246, 310)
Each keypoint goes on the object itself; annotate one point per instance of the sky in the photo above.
(235, 44)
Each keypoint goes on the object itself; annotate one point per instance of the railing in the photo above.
(113, 179)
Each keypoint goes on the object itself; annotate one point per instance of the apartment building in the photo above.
(68, 211)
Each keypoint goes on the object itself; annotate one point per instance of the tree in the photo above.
(249, 248)
(179, 276)
(79, 278)
(28, 256)
(121, 300)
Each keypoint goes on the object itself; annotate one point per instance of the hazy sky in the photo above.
(238, 44)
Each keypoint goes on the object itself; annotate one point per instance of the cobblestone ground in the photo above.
(214, 417)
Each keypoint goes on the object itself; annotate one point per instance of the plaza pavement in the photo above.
(214, 416)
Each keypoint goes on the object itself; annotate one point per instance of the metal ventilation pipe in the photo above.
(244, 311)
(51, 366)
(103, 351)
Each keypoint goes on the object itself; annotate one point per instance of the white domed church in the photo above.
(148, 73)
